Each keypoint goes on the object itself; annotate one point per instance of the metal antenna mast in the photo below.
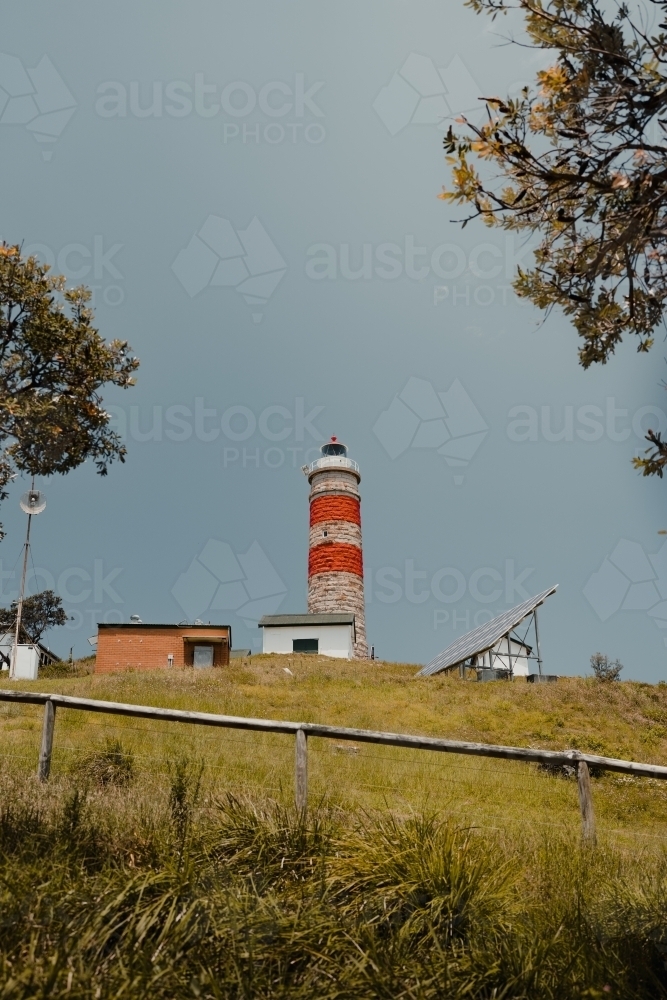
(32, 502)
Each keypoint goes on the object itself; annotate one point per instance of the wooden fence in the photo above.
(302, 730)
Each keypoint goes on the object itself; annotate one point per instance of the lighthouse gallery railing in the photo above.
(332, 462)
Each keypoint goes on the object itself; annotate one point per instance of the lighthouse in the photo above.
(335, 561)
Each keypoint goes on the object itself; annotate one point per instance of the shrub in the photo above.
(273, 904)
(62, 668)
(68, 668)
(604, 669)
(110, 764)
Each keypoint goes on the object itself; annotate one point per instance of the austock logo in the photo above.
(218, 256)
(35, 98)
(630, 580)
(219, 580)
(273, 113)
(95, 588)
(421, 94)
(448, 423)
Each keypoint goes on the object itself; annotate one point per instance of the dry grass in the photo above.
(158, 894)
(621, 719)
(165, 861)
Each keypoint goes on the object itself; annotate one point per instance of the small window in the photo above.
(305, 645)
(325, 533)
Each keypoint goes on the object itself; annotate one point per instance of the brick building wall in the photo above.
(147, 647)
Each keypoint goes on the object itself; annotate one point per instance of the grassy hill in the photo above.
(620, 719)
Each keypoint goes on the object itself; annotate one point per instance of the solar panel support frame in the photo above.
(537, 643)
(464, 652)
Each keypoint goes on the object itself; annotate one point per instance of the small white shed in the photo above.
(30, 656)
(26, 667)
(328, 635)
(507, 654)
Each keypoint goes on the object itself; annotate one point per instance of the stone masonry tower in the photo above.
(335, 562)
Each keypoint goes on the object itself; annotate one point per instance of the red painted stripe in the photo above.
(335, 557)
(335, 508)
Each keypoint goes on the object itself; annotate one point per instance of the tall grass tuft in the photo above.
(108, 764)
(106, 894)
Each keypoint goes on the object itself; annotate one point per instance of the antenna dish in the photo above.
(33, 502)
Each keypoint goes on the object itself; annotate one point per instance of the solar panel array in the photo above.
(484, 637)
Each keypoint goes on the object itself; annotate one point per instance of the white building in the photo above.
(326, 634)
(507, 654)
(30, 656)
(26, 667)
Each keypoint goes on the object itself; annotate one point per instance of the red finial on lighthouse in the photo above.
(333, 437)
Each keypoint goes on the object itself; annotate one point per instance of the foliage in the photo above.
(53, 362)
(95, 903)
(61, 668)
(109, 764)
(39, 612)
(604, 668)
(68, 668)
(183, 795)
(581, 162)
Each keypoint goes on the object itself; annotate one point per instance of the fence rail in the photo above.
(302, 730)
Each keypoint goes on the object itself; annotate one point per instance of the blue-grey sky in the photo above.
(251, 190)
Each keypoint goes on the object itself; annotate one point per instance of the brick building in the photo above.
(150, 647)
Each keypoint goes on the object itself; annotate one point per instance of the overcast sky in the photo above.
(251, 190)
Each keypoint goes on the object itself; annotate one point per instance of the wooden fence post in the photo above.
(586, 804)
(301, 771)
(44, 765)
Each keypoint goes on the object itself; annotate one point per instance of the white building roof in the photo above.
(292, 620)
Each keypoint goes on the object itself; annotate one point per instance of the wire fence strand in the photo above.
(489, 790)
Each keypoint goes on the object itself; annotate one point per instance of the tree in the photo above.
(53, 363)
(40, 612)
(604, 669)
(581, 162)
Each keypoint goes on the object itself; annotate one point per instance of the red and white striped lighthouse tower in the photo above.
(335, 561)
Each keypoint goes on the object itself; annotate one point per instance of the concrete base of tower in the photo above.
(332, 593)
